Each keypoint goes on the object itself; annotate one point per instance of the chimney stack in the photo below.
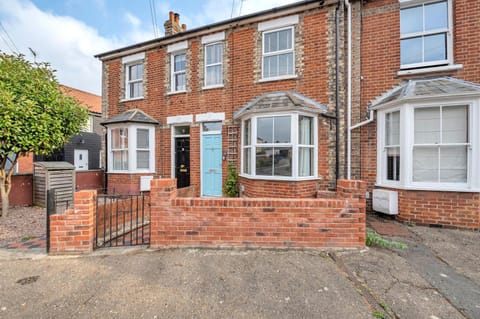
(172, 25)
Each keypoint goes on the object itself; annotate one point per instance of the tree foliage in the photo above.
(35, 116)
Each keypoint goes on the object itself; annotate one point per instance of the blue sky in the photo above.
(68, 33)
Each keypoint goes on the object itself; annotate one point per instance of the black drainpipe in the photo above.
(105, 174)
(337, 102)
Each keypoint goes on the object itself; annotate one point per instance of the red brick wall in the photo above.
(241, 86)
(124, 183)
(267, 222)
(89, 180)
(21, 193)
(73, 231)
(379, 58)
(25, 163)
(452, 209)
(278, 189)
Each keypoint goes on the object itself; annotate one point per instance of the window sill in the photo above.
(132, 99)
(280, 78)
(442, 68)
(431, 188)
(280, 178)
(211, 87)
(177, 92)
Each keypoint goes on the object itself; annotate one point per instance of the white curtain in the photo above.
(305, 154)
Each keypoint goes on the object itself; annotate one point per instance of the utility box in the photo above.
(53, 175)
(385, 201)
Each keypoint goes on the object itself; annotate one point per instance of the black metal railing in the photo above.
(122, 220)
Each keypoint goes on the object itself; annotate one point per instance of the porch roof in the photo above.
(432, 87)
(281, 101)
(131, 116)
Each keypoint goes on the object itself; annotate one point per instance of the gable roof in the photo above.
(92, 101)
(131, 116)
(280, 101)
(412, 89)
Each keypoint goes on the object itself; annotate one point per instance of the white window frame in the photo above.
(269, 54)
(132, 148)
(213, 85)
(293, 144)
(407, 111)
(404, 4)
(173, 73)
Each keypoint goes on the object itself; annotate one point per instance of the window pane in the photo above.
(179, 62)
(435, 47)
(282, 163)
(436, 16)
(135, 72)
(285, 64)
(425, 164)
(247, 137)
(393, 163)
(285, 39)
(136, 89)
(211, 126)
(264, 130)
(455, 124)
(427, 125)
(453, 164)
(247, 159)
(120, 160)
(271, 42)
(214, 75)
(142, 138)
(411, 51)
(143, 159)
(411, 20)
(305, 130)
(264, 161)
(214, 53)
(180, 82)
(270, 66)
(392, 128)
(305, 161)
(182, 130)
(281, 129)
(119, 138)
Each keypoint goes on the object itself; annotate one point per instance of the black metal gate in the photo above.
(122, 220)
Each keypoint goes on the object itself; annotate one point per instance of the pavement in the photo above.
(438, 276)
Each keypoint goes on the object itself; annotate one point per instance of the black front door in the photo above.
(182, 161)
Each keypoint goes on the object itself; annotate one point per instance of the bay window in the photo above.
(431, 146)
(279, 146)
(132, 148)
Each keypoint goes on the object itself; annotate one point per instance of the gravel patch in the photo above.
(22, 223)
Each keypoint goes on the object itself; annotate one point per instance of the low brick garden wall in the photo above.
(228, 222)
(258, 222)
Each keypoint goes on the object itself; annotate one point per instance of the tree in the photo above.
(35, 116)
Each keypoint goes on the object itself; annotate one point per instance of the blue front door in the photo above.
(212, 165)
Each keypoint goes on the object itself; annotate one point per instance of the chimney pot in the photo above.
(177, 17)
(184, 27)
(171, 15)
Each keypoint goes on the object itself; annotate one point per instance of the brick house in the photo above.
(295, 96)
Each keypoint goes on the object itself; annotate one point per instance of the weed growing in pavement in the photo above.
(378, 315)
(374, 239)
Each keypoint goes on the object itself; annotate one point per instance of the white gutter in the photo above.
(370, 119)
(349, 90)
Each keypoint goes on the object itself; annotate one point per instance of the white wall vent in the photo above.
(385, 201)
(145, 183)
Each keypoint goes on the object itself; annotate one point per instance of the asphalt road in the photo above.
(180, 284)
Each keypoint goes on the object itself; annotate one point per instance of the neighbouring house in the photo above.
(302, 95)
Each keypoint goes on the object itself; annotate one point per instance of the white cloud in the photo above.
(66, 43)
(133, 20)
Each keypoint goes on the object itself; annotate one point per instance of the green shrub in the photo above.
(231, 184)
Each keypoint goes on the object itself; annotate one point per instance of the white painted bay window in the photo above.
(280, 146)
(132, 148)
